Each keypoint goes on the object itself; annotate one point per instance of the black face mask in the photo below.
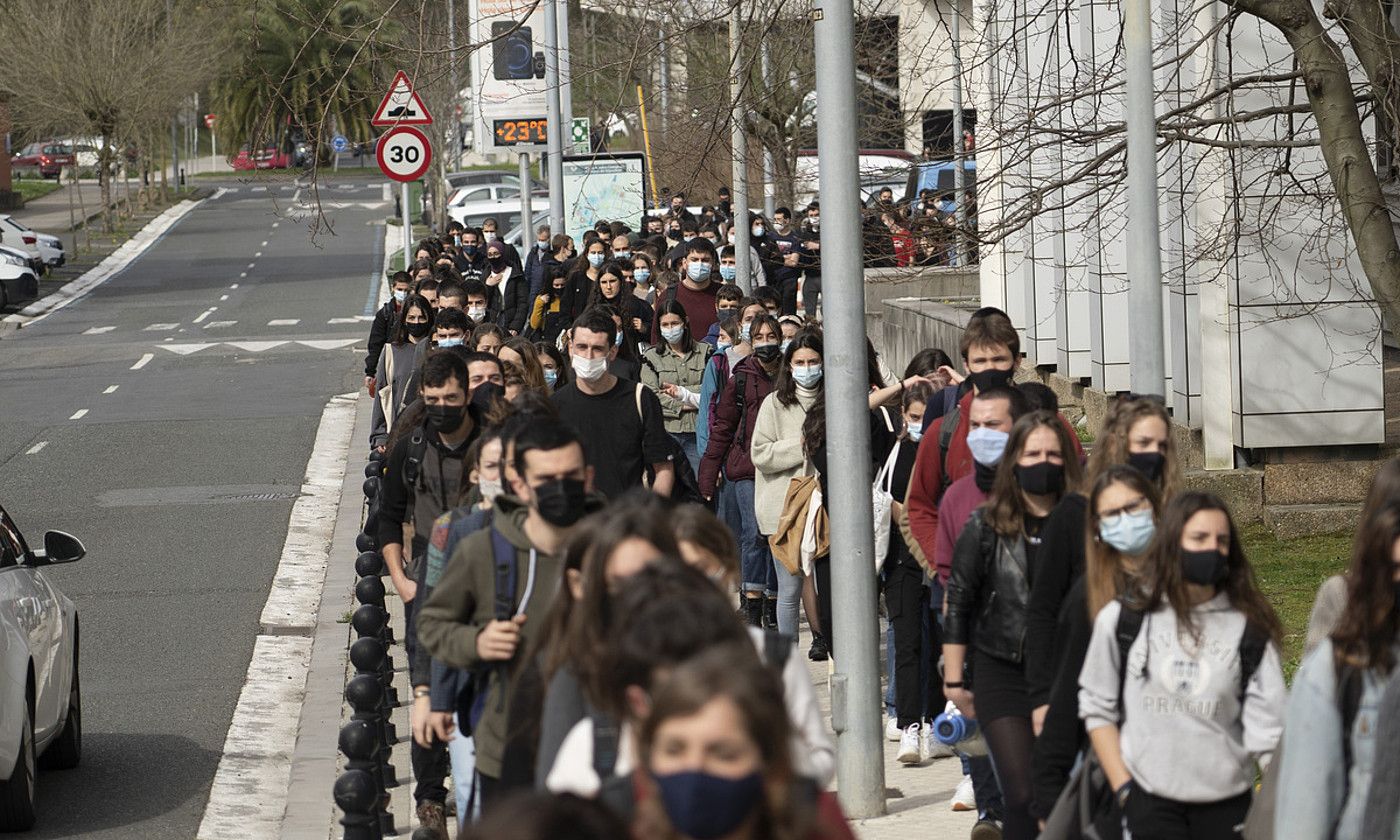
(984, 476)
(1206, 568)
(560, 502)
(673, 235)
(445, 419)
(497, 263)
(469, 250)
(1043, 479)
(1149, 464)
(985, 380)
(418, 330)
(768, 353)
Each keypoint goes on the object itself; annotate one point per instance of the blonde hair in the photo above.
(1112, 447)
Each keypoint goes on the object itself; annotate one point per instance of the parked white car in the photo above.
(19, 283)
(40, 694)
(14, 234)
(49, 248)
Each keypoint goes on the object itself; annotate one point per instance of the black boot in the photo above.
(818, 652)
(753, 612)
(770, 613)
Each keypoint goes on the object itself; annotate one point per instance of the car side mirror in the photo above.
(61, 547)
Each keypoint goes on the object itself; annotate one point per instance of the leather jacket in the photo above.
(988, 592)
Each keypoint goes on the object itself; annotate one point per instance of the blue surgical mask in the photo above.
(745, 330)
(672, 334)
(595, 260)
(449, 342)
(618, 341)
(727, 273)
(706, 807)
(698, 271)
(541, 245)
(400, 295)
(987, 445)
(642, 275)
(914, 433)
(551, 376)
(721, 346)
(1130, 533)
(757, 231)
(807, 377)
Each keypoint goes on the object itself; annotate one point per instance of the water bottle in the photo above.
(960, 733)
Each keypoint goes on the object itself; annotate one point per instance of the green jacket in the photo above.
(661, 365)
(464, 602)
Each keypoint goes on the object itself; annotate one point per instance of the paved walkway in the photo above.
(66, 207)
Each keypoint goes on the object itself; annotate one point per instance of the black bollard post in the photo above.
(359, 742)
(366, 697)
(365, 542)
(369, 656)
(370, 620)
(371, 487)
(370, 563)
(357, 795)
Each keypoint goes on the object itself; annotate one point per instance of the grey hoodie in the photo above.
(1185, 737)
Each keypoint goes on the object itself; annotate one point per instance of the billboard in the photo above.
(508, 75)
(610, 187)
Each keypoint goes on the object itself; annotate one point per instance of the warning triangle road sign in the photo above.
(401, 105)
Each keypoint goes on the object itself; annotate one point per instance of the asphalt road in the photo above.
(179, 476)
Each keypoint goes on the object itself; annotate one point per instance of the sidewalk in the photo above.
(51, 213)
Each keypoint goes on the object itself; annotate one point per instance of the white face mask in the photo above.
(490, 489)
(672, 334)
(590, 370)
(476, 313)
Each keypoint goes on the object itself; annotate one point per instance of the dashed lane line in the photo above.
(199, 319)
(143, 361)
(219, 325)
(79, 414)
(36, 448)
(160, 327)
(234, 286)
(111, 389)
(284, 322)
(98, 330)
(223, 298)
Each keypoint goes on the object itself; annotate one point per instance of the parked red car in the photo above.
(47, 158)
(270, 157)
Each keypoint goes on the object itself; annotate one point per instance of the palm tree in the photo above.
(306, 64)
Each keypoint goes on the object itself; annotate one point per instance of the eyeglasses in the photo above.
(1113, 517)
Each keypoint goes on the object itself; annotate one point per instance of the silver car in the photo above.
(40, 698)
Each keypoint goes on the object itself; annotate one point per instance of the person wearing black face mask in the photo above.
(395, 365)
(995, 559)
(425, 477)
(470, 621)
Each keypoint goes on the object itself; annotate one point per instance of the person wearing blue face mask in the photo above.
(677, 362)
(697, 291)
(1125, 505)
(582, 278)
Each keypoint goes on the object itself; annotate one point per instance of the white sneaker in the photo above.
(892, 730)
(934, 748)
(963, 797)
(910, 747)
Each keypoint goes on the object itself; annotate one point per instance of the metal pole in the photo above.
(740, 195)
(769, 187)
(527, 215)
(1147, 348)
(554, 124)
(174, 121)
(566, 86)
(454, 147)
(407, 227)
(855, 686)
(959, 176)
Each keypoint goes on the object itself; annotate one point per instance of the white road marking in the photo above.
(36, 448)
(258, 254)
(160, 327)
(79, 414)
(199, 319)
(256, 346)
(98, 330)
(250, 265)
(241, 274)
(275, 224)
(387, 197)
(249, 795)
(186, 349)
(111, 389)
(284, 322)
(264, 244)
(223, 298)
(219, 325)
(234, 286)
(350, 320)
(259, 189)
(327, 343)
(143, 361)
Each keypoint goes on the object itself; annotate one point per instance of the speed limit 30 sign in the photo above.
(404, 154)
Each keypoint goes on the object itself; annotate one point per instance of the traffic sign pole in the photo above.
(407, 228)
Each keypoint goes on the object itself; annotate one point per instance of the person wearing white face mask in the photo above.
(620, 421)
(679, 362)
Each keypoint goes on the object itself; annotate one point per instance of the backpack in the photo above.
(686, 488)
(506, 571)
(1088, 807)
(721, 363)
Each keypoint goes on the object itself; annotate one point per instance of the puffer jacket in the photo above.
(989, 588)
(731, 434)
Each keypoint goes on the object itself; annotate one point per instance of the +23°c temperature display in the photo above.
(520, 132)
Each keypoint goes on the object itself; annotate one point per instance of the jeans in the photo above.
(789, 598)
(429, 763)
(686, 440)
(1157, 818)
(756, 563)
(787, 290)
(811, 290)
(461, 751)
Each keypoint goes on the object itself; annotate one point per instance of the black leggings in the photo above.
(1011, 741)
(1156, 818)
